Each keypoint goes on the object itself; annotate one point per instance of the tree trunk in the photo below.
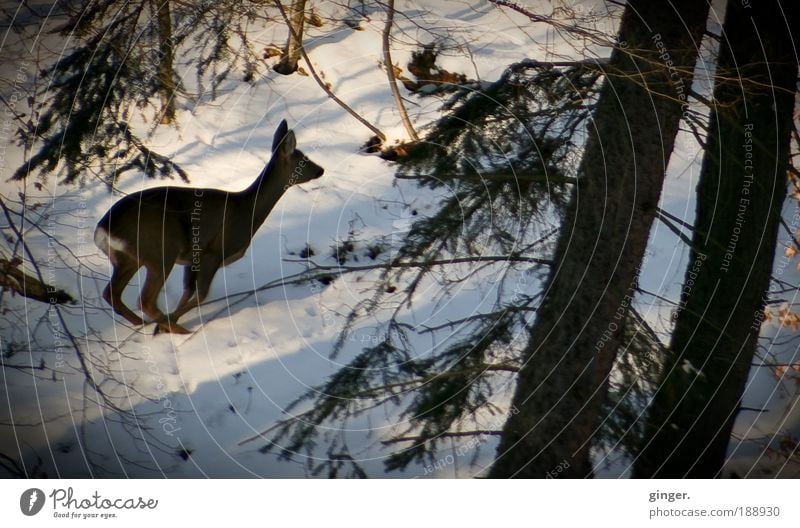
(574, 340)
(740, 193)
(387, 59)
(166, 75)
(291, 53)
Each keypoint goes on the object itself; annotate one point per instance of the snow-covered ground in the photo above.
(197, 397)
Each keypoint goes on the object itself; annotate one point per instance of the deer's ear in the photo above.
(280, 133)
(289, 143)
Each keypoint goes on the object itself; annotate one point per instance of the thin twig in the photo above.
(321, 83)
(672, 227)
(89, 378)
(452, 434)
(426, 264)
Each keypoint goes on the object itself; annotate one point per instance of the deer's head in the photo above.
(297, 168)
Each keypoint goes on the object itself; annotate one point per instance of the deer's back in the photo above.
(164, 222)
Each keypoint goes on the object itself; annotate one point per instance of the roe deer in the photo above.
(202, 229)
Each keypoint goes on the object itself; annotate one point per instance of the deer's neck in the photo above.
(262, 195)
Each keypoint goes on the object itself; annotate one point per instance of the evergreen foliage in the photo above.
(506, 153)
(92, 93)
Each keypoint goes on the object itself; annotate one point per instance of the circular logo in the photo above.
(31, 501)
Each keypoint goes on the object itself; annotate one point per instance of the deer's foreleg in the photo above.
(124, 270)
(197, 283)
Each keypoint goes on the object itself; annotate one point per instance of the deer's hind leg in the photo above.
(189, 287)
(185, 303)
(196, 283)
(156, 276)
(169, 323)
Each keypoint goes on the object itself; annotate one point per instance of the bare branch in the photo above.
(321, 83)
(387, 60)
(451, 434)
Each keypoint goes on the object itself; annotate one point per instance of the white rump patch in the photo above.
(107, 243)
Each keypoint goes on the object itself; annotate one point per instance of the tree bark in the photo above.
(740, 193)
(578, 329)
(166, 74)
(291, 53)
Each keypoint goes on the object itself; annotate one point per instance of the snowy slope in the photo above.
(252, 354)
(196, 398)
